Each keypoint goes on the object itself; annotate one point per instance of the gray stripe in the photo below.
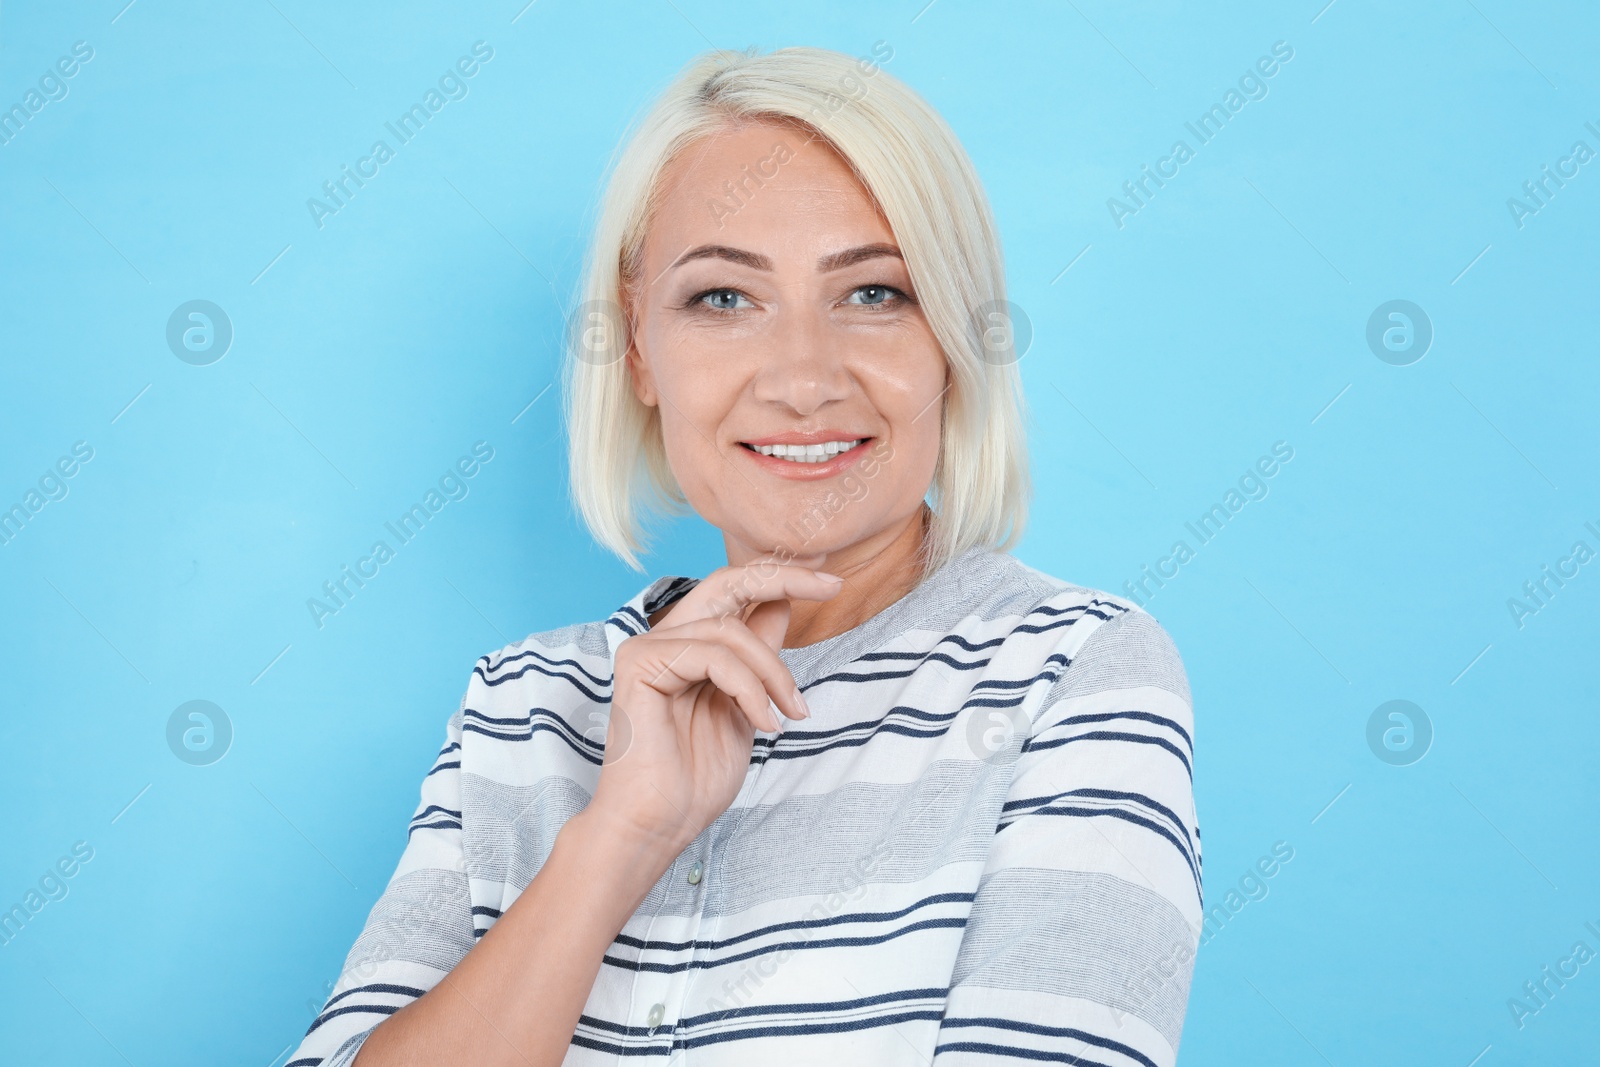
(509, 830)
(586, 637)
(424, 916)
(1078, 934)
(1130, 651)
(804, 845)
(977, 586)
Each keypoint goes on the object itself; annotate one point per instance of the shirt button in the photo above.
(695, 872)
(657, 1012)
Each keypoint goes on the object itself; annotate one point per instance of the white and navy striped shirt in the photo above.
(981, 848)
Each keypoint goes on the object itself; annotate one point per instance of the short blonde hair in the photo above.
(910, 161)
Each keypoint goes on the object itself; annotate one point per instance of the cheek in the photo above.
(685, 441)
(912, 404)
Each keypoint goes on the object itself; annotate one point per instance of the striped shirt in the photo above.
(981, 848)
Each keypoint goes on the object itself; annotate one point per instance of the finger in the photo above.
(670, 667)
(729, 590)
(769, 621)
(756, 651)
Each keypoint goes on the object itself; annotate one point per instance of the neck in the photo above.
(877, 572)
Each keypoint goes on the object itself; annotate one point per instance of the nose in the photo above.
(803, 365)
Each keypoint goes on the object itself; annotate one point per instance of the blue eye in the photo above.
(872, 295)
(723, 299)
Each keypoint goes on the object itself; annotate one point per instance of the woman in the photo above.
(875, 792)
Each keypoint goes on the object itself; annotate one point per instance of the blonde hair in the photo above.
(910, 161)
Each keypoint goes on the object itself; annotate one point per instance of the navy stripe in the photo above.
(431, 808)
(596, 679)
(751, 1011)
(376, 987)
(676, 590)
(623, 623)
(1039, 1055)
(1040, 1030)
(1107, 716)
(1048, 673)
(547, 719)
(798, 924)
(815, 1007)
(1113, 735)
(1127, 816)
(355, 1009)
(777, 946)
(812, 1026)
(579, 686)
(848, 676)
(596, 757)
(1107, 794)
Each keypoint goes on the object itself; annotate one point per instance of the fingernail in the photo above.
(805, 709)
(829, 577)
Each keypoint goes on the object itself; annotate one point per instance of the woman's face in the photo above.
(774, 309)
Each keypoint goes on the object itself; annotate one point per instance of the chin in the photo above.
(805, 531)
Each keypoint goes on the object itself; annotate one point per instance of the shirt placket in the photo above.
(659, 999)
(690, 878)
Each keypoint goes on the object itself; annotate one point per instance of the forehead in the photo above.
(767, 183)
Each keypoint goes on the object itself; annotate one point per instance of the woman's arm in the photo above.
(687, 697)
(516, 997)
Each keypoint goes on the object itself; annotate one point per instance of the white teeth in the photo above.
(808, 453)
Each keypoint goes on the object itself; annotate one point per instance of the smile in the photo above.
(807, 460)
(817, 453)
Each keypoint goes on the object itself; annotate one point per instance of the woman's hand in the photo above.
(690, 694)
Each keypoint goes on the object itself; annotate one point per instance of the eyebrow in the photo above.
(755, 261)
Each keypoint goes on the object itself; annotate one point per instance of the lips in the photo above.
(807, 456)
(807, 453)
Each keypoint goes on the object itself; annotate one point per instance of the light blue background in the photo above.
(1226, 315)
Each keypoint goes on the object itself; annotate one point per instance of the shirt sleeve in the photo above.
(416, 933)
(1082, 935)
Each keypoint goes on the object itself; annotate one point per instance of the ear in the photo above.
(639, 373)
(640, 376)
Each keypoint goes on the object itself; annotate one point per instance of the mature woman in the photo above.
(875, 792)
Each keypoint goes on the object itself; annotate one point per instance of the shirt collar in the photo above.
(633, 618)
(938, 600)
